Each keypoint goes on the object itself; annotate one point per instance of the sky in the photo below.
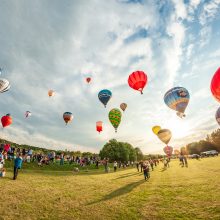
(57, 44)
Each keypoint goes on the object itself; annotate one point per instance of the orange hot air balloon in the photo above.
(51, 93)
(6, 120)
(123, 106)
(215, 85)
(99, 126)
(88, 79)
(67, 117)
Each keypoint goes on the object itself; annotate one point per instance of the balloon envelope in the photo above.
(88, 79)
(27, 114)
(123, 106)
(4, 85)
(168, 150)
(115, 117)
(104, 96)
(215, 85)
(177, 99)
(217, 115)
(164, 135)
(137, 80)
(51, 93)
(99, 126)
(67, 117)
(6, 120)
(156, 129)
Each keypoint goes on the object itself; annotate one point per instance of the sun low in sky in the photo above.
(58, 45)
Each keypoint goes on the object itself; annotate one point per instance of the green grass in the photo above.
(176, 193)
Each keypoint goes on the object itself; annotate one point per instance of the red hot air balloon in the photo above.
(168, 150)
(215, 85)
(99, 126)
(137, 80)
(6, 120)
(88, 79)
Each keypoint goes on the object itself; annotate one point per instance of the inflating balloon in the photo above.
(156, 129)
(217, 115)
(164, 135)
(4, 85)
(168, 150)
(51, 93)
(99, 126)
(177, 99)
(6, 120)
(115, 117)
(104, 96)
(88, 79)
(123, 106)
(27, 114)
(137, 80)
(215, 85)
(67, 117)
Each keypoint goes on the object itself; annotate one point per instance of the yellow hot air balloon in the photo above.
(156, 129)
(164, 135)
(123, 106)
(51, 93)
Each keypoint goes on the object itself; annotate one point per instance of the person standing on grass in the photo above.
(115, 166)
(137, 165)
(141, 164)
(61, 159)
(17, 165)
(146, 170)
(152, 164)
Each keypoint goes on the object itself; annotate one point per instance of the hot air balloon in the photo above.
(168, 150)
(217, 116)
(51, 93)
(137, 80)
(88, 79)
(215, 85)
(67, 117)
(27, 114)
(176, 152)
(177, 99)
(164, 135)
(104, 96)
(123, 106)
(156, 129)
(99, 126)
(6, 120)
(115, 117)
(4, 85)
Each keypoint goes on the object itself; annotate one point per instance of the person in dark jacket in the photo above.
(17, 165)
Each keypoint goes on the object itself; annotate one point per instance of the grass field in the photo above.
(175, 193)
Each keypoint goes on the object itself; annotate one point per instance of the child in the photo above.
(3, 172)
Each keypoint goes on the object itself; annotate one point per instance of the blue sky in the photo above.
(47, 45)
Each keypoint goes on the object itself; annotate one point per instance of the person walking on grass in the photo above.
(115, 166)
(146, 170)
(17, 165)
(137, 165)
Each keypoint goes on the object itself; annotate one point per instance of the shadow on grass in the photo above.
(119, 192)
(126, 175)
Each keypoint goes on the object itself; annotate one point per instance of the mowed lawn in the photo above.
(175, 193)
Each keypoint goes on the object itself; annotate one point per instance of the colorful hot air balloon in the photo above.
(177, 99)
(51, 93)
(123, 106)
(67, 117)
(164, 135)
(217, 115)
(156, 129)
(6, 120)
(115, 117)
(215, 85)
(4, 85)
(88, 79)
(137, 80)
(104, 96)
(99, 126)
(27, 114)
(168, 150)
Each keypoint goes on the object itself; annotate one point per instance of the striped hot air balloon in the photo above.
(164, 135)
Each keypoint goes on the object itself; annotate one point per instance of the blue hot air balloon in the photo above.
(177, 99)
(217, 116)
(104, 96)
